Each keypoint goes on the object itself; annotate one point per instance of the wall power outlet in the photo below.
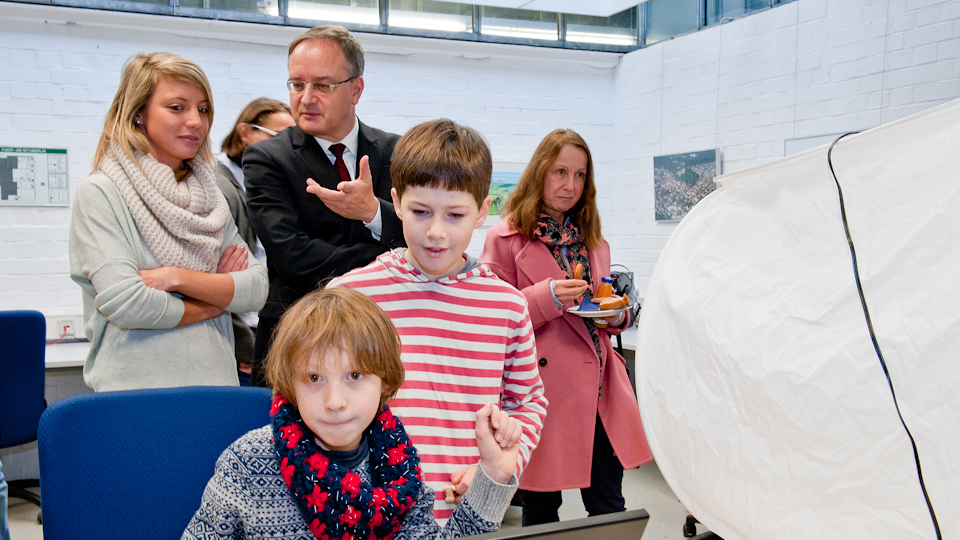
(64, 326)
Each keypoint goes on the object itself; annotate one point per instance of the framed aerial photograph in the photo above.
(681, 180)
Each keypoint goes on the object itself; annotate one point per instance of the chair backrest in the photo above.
(22, 372)
(134, 464)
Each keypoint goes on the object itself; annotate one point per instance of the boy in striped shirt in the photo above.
(466, 335)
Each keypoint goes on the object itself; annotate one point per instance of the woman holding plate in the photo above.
(592, 431)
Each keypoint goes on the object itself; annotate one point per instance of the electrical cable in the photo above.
(624, 284)
(59, 338)
(873, 336)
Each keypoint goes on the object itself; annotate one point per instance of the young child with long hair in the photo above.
(336, 463)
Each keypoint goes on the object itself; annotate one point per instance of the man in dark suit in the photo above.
(318, 193)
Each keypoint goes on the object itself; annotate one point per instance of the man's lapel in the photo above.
(308, 150)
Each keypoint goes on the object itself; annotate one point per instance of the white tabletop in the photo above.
(629, 339)
(67, 355)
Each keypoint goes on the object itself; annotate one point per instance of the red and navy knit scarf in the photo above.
(335, 502)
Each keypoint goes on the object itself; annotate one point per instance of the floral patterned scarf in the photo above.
(557, 237)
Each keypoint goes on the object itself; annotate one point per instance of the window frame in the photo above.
(641, 14)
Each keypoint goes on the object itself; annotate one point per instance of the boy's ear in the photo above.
(484, 210)
(396, 202)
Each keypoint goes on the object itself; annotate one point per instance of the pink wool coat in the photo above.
(569, 369)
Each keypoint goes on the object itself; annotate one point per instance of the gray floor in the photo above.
(642, 488)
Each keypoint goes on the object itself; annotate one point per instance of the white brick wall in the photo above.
(57, 80)
(804, 69)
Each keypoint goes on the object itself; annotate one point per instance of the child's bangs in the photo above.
(361, 339)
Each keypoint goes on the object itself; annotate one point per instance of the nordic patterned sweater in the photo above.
(247, 498)
(466, 340)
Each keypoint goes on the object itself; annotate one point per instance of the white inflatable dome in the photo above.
(763, 397)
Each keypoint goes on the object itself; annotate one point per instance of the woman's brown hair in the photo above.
(337, 319)
(256, 113)
(525, 203)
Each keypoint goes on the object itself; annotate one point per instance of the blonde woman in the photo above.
(152, 244)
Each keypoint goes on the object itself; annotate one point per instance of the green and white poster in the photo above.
(33, 177)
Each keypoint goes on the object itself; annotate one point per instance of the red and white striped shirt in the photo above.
(466, 340)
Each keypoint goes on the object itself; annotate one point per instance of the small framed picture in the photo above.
(681, 180)
(504, 179)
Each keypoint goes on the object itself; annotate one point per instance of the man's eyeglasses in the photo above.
(269, 132)
(297, 87)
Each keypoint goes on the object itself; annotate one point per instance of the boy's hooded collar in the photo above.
(399, 267)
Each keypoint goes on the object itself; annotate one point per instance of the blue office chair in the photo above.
(134, 464)
(22, 372)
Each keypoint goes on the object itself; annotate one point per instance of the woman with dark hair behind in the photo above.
(152, 244)
(593, 430)
(261, 119)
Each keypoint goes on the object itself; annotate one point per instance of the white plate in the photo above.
(597, 314)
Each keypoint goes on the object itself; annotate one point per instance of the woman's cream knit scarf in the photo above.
(181, 222)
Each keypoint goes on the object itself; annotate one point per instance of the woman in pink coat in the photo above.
(592, 431)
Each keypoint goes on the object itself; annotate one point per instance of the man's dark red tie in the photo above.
(341, 167)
